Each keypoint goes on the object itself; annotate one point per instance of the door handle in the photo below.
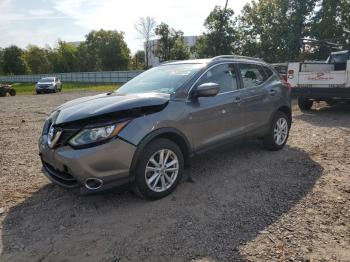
(237, 100)
(272, 92)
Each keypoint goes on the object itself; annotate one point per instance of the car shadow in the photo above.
(336, 115)
(237, 192)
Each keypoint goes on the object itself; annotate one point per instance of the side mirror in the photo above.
(206, 90)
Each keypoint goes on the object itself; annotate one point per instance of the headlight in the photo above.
(96, 135)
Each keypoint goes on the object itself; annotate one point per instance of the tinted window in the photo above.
(339, 58)
(252, 75)
(224, 75)
(269, 72)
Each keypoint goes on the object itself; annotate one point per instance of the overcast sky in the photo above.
(42, 22)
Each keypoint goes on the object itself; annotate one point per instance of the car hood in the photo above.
(106, 104)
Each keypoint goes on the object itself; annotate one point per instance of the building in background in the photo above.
(75, 43)
(154, 60)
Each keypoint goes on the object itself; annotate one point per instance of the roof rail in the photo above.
(237, 57)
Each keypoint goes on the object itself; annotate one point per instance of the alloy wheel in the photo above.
(280, 132)
(162, 170)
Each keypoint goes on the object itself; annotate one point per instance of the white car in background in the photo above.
(48, 85)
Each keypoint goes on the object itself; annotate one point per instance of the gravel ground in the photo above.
(246, 204)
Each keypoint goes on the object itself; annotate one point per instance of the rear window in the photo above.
(253, 75)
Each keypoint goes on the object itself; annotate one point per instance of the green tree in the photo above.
(88, 60)
(263, 30)
(299, 13)
(220, 35)
(271, 29)
(1, 60)
(37, 61)
(13, 61)
(138, 60)
(180, 49)
(109, 48)
(329, 23)
(171, 44)
(64, 58)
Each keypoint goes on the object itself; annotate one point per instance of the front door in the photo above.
(209, 117)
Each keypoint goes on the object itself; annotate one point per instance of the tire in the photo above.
(305, 104)
(271, 141)
(38, 93)
(12, 92)
(154, 184)
(331, 102)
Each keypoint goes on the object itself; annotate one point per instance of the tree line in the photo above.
(268, 29)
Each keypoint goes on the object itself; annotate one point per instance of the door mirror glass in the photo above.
(206, 90)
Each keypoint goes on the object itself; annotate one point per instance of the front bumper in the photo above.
(70, 168)
(44, 88)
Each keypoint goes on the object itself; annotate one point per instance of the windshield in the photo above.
(161, 79)
(47, 80)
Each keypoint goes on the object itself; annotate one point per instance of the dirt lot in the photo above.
(245, 204)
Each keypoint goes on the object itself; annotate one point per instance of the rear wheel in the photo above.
(279, 132)
(331, 102)
(305, 104)
(159, 169)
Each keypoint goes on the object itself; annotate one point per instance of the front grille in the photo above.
(62, 178)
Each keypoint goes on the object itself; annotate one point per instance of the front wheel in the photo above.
(159, 169)
(279, 132)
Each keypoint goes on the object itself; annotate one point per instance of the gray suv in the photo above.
(48, 85)
(145, 133)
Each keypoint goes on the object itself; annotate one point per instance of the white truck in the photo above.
(321, 81)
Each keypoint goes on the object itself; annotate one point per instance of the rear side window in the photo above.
(224, 75)
(253, 75)
(269, 72)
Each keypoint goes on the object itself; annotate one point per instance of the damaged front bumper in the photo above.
(74, 168)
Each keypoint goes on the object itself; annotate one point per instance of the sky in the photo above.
(43, 22)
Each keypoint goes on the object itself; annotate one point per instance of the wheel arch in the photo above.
(173, 135)
(287, 110)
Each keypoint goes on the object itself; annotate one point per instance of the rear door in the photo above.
(257, 94)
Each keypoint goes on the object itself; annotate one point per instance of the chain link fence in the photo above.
(109, 77)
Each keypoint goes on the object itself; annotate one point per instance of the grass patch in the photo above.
(29, 88)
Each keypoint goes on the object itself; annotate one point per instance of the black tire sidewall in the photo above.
(304, 104)
(269, 140)
(140, 182)
(12, 92)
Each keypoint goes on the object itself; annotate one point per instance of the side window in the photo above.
(252, 75)
(269, 72)
(224, 75)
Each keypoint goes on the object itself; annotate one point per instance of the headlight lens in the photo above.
(98, 134)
